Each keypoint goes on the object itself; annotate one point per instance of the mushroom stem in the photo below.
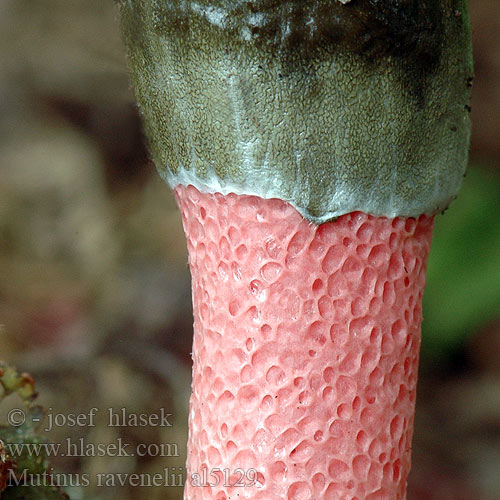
(282, 125)
(306, 342)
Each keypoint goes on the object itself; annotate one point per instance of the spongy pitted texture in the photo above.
(305, 350)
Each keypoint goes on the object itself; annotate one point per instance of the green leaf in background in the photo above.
(19, 451)
(34, 493)
(463, 278)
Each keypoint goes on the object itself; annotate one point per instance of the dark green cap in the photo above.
(331, 105)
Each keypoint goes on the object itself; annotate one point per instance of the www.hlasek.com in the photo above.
(169, 477)
(81, 448)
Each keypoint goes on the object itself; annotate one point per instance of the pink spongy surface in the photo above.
(305, 353)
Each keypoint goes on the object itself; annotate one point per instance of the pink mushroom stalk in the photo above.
(305, 349)
(309, 145)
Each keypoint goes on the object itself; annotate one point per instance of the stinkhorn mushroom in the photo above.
(309, 144)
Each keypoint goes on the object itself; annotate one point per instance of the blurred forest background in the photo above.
(94, 286)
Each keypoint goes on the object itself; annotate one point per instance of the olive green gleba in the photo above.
(332, 107)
